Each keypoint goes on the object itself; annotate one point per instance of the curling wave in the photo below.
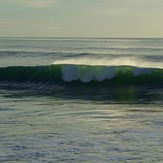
(83, 74)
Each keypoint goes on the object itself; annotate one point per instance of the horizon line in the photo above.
(82, 37)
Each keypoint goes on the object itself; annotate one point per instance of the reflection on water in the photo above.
(114, 94)
(122, 124)
(50, 129)
(126, 93)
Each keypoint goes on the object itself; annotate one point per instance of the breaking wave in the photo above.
(84, 74)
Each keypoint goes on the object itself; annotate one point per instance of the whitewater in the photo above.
(81, 99)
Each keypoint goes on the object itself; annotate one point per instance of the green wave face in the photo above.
(82, 74)
(31, 74)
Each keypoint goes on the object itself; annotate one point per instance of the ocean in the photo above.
(90, 100)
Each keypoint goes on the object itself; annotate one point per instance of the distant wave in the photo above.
(14, 53)
(82, 74)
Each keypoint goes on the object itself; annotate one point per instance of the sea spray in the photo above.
(109, 60)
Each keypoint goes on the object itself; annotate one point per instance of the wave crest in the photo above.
(110, 75)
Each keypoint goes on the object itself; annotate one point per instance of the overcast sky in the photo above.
(81, 18)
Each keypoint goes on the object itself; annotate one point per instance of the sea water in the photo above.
(81, 100)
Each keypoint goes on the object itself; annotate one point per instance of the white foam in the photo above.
(86, 73)
(138, 71)
(103, 67)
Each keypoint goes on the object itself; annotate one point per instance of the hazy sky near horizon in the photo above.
(81, 18)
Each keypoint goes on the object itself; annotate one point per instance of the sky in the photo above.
(81, 18)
